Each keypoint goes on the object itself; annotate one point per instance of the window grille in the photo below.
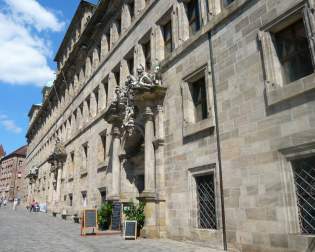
(206, 202)
(304, 177)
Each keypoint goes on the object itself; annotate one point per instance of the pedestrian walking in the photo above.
(32, 207)
(15, 202)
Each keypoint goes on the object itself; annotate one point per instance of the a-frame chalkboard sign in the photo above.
(89, 221)
(130, 229)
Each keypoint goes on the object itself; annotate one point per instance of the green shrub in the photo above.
(135, 212)
(104, 215)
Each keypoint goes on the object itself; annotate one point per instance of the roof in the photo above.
(34, 106)
(21, 152)
(2, 153)
(83, 4)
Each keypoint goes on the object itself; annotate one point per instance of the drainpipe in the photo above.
(218, 141)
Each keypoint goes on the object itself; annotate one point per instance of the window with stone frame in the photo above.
(293, 52)
(70, 199)
(197, 101)
(146, 47)
(103, 195)
(199, 98)
(206, 206)
(286, 48)
(203, 204)
(88, 103)
(193, 16)
(96, 99)
(71, 164)
(84, 198)
(102, 147)
(304, 178)
(130, 63)
(117, 76)
(131, 8)
(107, 34)
(227, 2)
(168, 38)
(84, 157)
(118, 25)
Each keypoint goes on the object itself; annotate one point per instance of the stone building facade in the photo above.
(202, 109)
(12, 173)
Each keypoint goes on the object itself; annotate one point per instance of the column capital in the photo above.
(116, 132)
(148, 114)
(159, 108)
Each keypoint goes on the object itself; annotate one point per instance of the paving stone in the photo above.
(22, 231)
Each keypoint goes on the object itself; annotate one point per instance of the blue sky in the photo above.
(31, 32)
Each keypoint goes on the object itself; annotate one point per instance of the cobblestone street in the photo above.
(22, 231)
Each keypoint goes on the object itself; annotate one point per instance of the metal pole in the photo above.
(218, 142)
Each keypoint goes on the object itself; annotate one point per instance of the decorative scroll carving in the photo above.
(32, 174)
(57, 159)
(122, 110)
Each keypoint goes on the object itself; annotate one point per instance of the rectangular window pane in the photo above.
(167, 34)
(293, 52)
(193, 16)
(304, 177)
(199, 98)
(206, 202)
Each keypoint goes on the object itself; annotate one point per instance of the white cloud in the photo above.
(9, 124)
(32, 13)
(23, 49)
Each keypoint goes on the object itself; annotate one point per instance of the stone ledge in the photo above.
(291, 90)
(194, 128)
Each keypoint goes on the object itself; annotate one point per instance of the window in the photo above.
(193, 15)
(117, 77)
(199, 98)
(96, 99)
(206, 207)
(293, 52)
(131, 7)
(103, 195)
(70, 199)
(108, 41)
(85, 158)
(227, 2)
(84, 198)
(286, 52)
(167, 36)
(130, 65)
(304, 178)
(146, 47)
(118, 25)
(102, 147)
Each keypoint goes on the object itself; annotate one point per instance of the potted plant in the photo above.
(135, 212)
(104, 215)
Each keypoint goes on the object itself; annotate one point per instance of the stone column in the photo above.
(58, 189)
(116, 163)
(149, 159)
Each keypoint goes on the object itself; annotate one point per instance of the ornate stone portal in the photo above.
(56, 160)
(134, 114)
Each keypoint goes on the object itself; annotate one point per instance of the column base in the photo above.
(154, 211)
